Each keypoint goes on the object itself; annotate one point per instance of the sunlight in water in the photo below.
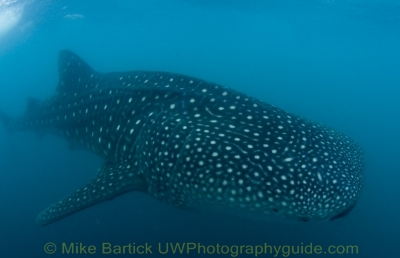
(10, 14)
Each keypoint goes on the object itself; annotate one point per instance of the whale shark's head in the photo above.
(256, 158)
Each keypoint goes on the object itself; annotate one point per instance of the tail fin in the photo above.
(32, 105)
(5, 119)
(10, 124)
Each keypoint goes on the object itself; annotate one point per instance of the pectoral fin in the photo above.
(111, 181)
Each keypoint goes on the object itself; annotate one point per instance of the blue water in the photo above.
(335, 62)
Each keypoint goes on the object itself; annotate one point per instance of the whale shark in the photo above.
(195, 145)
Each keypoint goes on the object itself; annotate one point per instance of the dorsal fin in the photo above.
(73, 71)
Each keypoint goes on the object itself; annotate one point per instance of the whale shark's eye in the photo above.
(276, 210)
(305, 219)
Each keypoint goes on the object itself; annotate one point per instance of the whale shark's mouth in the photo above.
(344, 213)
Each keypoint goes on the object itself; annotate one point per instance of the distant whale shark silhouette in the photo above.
(194, 145)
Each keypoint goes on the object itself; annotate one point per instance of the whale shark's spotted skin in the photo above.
(195, 144)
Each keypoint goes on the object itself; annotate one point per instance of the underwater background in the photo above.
(334, 62)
